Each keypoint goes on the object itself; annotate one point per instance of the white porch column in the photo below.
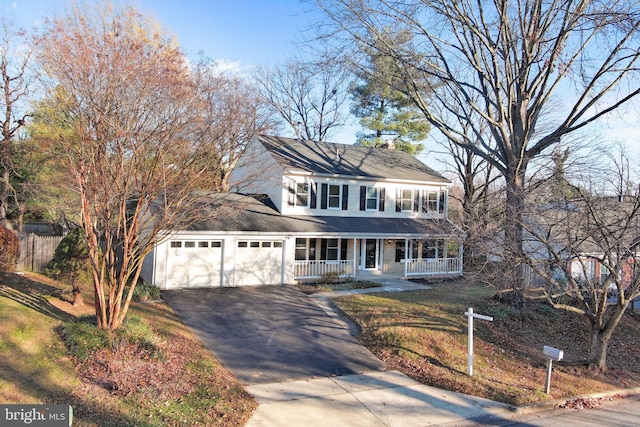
(406, 256)
(355, 257)
(460, 255)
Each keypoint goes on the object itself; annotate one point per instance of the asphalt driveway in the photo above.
(270, 334)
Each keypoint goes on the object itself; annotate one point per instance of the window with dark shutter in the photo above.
(363, 197)
(343, 249)
(314, 195)
(345, 197)
(292, 194)
(324, 189)
(382, 198)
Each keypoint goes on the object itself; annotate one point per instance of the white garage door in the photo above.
(258, 262)
(193, 263)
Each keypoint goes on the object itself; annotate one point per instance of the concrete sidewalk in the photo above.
(376, 399)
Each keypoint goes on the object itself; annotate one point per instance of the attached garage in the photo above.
(193, 263)
(258, 262)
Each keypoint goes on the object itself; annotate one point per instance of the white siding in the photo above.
(257, 173)
(353, 206)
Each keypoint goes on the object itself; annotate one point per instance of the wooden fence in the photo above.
(36, 251)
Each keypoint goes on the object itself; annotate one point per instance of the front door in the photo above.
(370, 254)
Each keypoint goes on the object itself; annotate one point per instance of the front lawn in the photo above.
(159, 374)
(424, 334)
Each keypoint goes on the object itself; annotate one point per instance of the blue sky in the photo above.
(246, 33)
(249, 32)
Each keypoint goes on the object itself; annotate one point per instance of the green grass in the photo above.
(156, 374)
(33, 363)
(424, 334)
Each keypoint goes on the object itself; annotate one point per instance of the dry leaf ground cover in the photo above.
(167, 378)
(424, 335)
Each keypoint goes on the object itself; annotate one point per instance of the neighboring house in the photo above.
(302, 210)
(564, 230)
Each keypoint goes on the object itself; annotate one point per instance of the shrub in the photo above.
(9, 250)
(82, 336)
(70, 262)
(330, 277)
(144, 291)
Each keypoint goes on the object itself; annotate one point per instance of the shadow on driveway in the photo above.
(270, 334)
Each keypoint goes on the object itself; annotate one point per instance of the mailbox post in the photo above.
(551, 354)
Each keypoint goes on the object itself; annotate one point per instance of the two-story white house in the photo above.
(302, 209)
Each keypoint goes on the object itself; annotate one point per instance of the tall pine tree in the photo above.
(386, 113)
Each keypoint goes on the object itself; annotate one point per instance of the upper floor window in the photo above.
(300, 194)
(407, 200)
(371, 198)
(334, 196)
(430, 198)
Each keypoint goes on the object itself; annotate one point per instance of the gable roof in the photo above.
(229, 212)
(327, 158)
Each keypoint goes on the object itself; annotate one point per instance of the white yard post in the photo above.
(470, 341)
(470, 315)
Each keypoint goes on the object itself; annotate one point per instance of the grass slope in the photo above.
(173, 382)
(424, 334)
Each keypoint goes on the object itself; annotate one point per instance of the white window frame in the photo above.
(374, 197)
(428, 202)
(403, 199)
(334, 197)
(298, 194)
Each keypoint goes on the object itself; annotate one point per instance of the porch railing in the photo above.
(312, 269)
(423, 267)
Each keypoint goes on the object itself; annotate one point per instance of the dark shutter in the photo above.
(381, 202)
(343, 249)
(363, 197)
(323, 248)
(292, 194)
(314, 195)
(416, 200)
(345, 197)
(398, 203)
(324, 190)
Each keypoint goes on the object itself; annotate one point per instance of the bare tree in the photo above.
(307, 96)
(17, 83)
(134, 108)
(500, 66)
(230, 116)
(585, 252)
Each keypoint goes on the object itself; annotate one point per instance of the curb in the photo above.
(554, 404)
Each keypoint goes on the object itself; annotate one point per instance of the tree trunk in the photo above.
(597, 357)
(513, 231)
(78, 301)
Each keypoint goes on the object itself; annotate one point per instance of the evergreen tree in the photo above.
(385, 111)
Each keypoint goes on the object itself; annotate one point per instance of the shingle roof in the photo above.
(235, 212)
(347, 160)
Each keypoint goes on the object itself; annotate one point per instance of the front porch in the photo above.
(362, 257)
